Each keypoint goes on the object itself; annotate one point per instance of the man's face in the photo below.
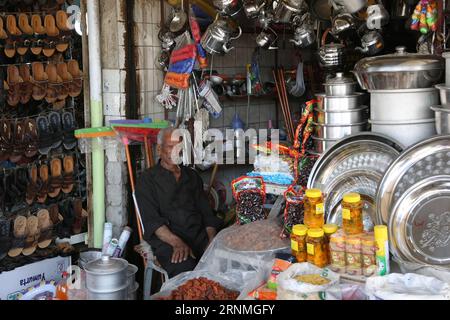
(166, 149)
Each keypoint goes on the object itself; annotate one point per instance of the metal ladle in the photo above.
(179, 19)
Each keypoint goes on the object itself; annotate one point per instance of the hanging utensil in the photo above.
(179, 19)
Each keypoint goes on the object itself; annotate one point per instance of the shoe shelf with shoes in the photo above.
(43, 192)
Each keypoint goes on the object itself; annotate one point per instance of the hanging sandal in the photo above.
(39, 32)
(68, 175)
(55, 121)
(43, 184)
(45, 135)
(5, 140)
(18, 145)
(46, 228)
(69, 126)
(54, 83)
(20, 234)
(31, 138)
(62, 21)
(56, 179)
(3, 34)
(33, 235)
(27, 85)
(66, 78)
(77, 84)
(11, 26)
(40, 81)
(33, 187)
(24, 24)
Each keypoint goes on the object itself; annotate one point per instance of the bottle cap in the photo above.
(299, 230)
(315, 233)
(352, 197)
(330, 228)
(313, 193)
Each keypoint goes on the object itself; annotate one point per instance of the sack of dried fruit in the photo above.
(250, 196)
(294, 211)
(304, 281)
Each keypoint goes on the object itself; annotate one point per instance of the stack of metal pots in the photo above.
(401, 93)
(340, 112)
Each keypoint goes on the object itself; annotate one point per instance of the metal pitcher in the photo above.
(267, 38)
(343, 22)
(284, 11)
(252, 8)
(217, 37)
(228, 7)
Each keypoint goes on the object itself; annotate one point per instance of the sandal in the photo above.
(50, 26)
(18, 146)
(36, 22)
(62, 21)
(33, 187)
(31, 138)
(45, 135)
(3, 34)
(46, 228)
(5, 140)
(77, 85)
(24, 24)
(44, 184)
(56, 179)
(55, 121)
(80, 216)
(54, 83)
(66, 78)
(27, 85)
(14, 84)
(20, 234)
(69, 179)
(55, 216)
(11, 26)
(33, 235)
(69, 127)
(40, 81)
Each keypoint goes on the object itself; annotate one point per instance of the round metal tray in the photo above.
(419, 226)
(426, 159)
(354, 164)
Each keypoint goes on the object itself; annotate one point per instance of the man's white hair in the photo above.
(162, 133)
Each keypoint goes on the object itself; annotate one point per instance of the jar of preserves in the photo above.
(337, 252)
(329, 230)
(314, 209)
(352, 214)
(353, 255)
(368, 250)
(298, 242)
(316, 248)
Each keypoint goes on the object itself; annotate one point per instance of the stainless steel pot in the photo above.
(402, 105)
(331, 55)
(131, 274)
(342, 117)
(340, 103)
(400, 70)
(444, 93)
(107, 278)
(217, 37)
(336, 132)
(284, 12)
(304, 36)
(340, 86)
(228, 7)
(442, 116)
(322, 145)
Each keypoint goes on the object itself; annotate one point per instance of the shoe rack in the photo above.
(42, 172)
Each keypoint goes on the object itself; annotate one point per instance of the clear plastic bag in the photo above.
(290, 288)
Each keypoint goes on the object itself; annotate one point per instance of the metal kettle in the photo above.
(228, 7)
(252, 8)
(371, 43)
(304, 36)
(217, 37)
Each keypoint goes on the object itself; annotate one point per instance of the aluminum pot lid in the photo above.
(400, 61)
(419, 226)
(429, 158)
(106, 265)
(340, 79)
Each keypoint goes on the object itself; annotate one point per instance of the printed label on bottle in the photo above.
(310, 248)
(319, 208)
(346, 214)
(294, 245)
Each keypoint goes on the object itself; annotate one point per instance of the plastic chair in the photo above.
(150, 263)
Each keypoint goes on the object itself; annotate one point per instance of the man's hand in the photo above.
(211, 233)
(181, 251)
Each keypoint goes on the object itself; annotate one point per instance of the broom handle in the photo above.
(147, 152)
(130, 172)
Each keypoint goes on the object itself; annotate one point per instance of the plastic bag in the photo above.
(437, 272)
(408, 286)
(294, 211)
(250, 195)
(291, 289)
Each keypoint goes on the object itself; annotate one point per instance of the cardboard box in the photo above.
(14, 282)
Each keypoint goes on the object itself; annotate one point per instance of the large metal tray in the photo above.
(426, 159)
(419, 226)
(354, 164)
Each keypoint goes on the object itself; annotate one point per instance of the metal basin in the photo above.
(442, 117)
(340, 103)
(444, 93)
(342, 117)
(336, 132)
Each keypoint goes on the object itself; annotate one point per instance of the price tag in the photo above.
(310, 248)
(319, 208)
(294, 245)
(346, 214)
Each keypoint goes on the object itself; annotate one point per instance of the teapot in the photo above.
(217, 37)
(228, 7)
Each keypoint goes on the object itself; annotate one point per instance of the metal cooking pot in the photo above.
(444, 93)
(340, 86)
(228, 7)
(322, 145)
(340, 103)
(107, 279)
(284, 12)
(400, 70)
(336, 132)
(442, 116)
(216, 38)
(304, 36)
(341, 117)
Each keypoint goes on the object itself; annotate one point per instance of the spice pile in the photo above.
(256, 236)
(202, 289)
